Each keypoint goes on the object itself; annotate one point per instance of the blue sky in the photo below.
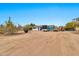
(45, 13)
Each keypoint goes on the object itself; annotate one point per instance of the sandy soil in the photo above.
(38, 43)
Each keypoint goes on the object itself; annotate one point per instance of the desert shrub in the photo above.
(30, 27)
(27, 28)
(1, 29)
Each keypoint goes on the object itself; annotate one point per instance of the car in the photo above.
(55, 30)
(44, 30)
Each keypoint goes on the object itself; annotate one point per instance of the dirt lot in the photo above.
(40, 43)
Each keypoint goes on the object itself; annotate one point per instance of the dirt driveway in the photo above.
(40, 43)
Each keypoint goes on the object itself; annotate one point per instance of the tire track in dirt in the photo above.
(70, 45)
(40, 43)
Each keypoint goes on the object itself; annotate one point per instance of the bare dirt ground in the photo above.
(38, 43)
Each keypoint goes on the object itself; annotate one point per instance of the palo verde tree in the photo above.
(10, 27)
(70, 26)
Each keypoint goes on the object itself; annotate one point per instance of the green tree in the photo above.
(70, 26)
(32, 24)
(76, 19)
(10, 28)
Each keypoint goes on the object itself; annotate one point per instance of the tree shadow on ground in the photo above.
(14, 34)
(75, 32)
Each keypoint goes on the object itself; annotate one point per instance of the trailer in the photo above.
(46, 28)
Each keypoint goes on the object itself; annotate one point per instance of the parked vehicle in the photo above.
(50, 27)
(56, 30)
(61, 29)
(44, 28)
